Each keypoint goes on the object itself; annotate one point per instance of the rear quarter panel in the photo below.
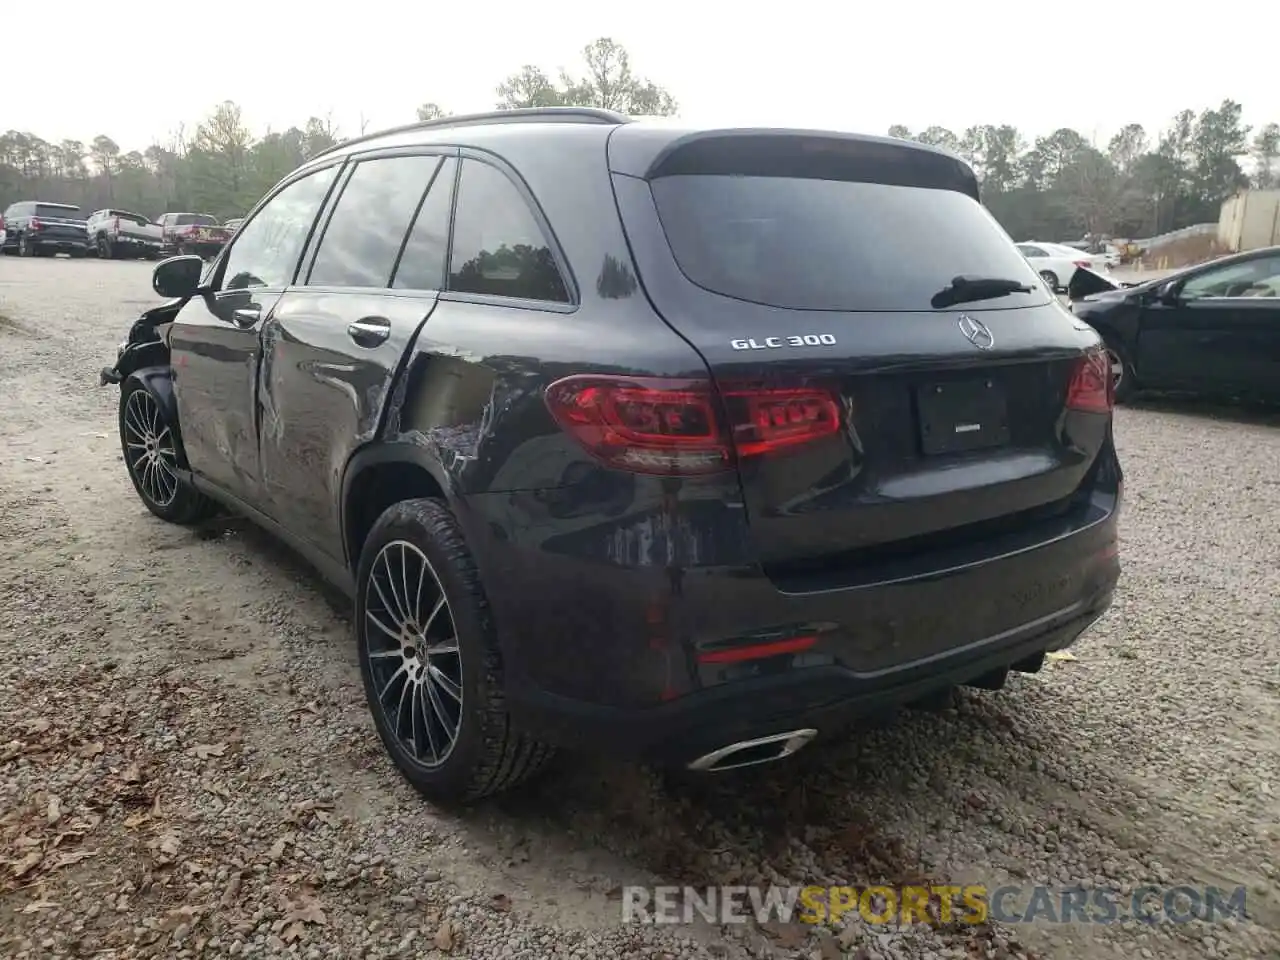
(587, 563)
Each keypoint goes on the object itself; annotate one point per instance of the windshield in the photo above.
(808, 244)
(50, 211)
(195, 220)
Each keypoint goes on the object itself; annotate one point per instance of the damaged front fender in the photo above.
(146, 345)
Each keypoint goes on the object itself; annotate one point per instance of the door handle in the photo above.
(247, 316)
(370, 331)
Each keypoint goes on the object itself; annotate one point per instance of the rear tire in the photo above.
(105, 251)
(149, 444)
(430, 661)
(24, 246)
(1051, 278)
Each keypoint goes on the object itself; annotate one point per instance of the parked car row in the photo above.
(39, 228)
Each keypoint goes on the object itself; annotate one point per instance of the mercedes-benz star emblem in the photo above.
(976, 332)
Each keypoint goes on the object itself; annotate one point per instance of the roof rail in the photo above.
(515, 115)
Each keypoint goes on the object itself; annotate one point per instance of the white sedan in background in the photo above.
(1057, 264)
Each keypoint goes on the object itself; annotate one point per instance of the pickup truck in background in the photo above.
(197, 233)
(35, 228)
(117, 234)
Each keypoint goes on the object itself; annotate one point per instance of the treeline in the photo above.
(223, 169)
(1062, 186)
(1056, 187)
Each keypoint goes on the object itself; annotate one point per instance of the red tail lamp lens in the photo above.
(665, 427)
(769, 420)
(1091, 389)
(672, 427)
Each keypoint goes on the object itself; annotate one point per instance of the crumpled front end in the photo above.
(144, 346)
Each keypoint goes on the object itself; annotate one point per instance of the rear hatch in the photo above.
(812, 271)
(54, 222)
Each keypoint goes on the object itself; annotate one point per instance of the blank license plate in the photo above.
(964, 415)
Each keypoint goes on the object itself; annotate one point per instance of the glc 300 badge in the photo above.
(776, 343)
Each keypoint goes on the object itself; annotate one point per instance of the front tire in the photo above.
(149, 445)
(1121, 370)
(430, 662)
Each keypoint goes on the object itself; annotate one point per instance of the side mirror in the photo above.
(1167, 293)
(177, 276)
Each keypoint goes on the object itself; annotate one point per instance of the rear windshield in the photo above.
(137, 218)
(806, 244)
(50, 211)
(195, 220)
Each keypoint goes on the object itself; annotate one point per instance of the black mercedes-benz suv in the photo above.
(692, 444)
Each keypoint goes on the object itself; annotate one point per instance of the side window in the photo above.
(498, 247)
(422, 263)
(266, 251)
(368, 225)
(1257, 278)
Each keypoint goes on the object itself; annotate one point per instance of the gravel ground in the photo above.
(187, 766)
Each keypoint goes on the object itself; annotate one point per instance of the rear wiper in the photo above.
(966, 289)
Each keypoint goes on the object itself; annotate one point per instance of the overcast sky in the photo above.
(148, 66)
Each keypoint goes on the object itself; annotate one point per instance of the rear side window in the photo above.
(50, 211)
(809, 244)
(499, 248)
(368, 225)
(422, 262)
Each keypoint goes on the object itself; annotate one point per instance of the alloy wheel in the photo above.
(412, 646)
(1117, 369)
(150, 448)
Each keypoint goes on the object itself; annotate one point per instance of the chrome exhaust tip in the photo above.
(749, 753)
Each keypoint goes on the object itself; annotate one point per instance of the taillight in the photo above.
(1092, 389)
(673, 427)
(1084, 264)
(115, 224)
(33, 224)
(767, 420)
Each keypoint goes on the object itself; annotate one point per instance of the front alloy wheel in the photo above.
(150, 449)
(413, 653)
(1122, 380)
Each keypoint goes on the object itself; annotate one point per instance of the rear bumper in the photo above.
(60, 244)
(604, 631)
(827, 699)
(135, 243)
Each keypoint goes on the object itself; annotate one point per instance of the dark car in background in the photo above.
(1212, 329)
(192, 233)
(680, 443)
(38, 228)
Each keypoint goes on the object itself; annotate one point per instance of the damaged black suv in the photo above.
(692, 444)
